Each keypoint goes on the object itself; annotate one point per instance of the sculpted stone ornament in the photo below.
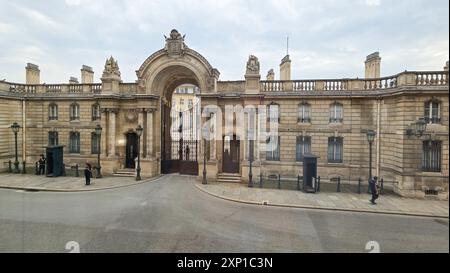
(175, 43)
(111, 69)
(252, 65)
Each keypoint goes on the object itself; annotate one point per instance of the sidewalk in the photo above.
(387, 204)
(66, 183)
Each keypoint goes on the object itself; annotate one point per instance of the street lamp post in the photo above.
(370, 138)
(139, 131)
(98, 132)
(15, 128)
(205, 136)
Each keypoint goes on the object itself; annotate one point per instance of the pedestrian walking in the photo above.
(88, 173)
(41, 163)
(373, 189)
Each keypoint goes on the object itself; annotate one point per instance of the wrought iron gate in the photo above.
(179, 155)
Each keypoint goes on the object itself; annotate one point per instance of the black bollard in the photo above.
(36, 168)
(279, 182)
(381, 186)
(359, 185)
(338, 185)
(76, 170)
(24, 164)
(318, 184)
(298, 182)
(9, 166)
(64, 170)
(260, 180)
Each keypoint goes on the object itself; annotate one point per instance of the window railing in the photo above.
(336, 120)
(432, 120)
(304, 120)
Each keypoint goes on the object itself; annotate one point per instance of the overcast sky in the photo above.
(327, 38)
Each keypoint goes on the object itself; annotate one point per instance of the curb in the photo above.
(320, 208)
(79, 190)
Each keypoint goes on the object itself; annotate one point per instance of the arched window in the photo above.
(335, 149)
(432, 111)
(304, 113)
(74, 111)
(53, 111)
(96, 112)
(273, 112)
(336, 113)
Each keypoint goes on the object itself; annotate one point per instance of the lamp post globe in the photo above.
(139, 131)
(98, 132)
(15, 127)
(420, 127)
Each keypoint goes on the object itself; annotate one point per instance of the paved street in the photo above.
(171, 215)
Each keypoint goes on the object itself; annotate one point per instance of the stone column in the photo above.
(212, 148)
(149, 133)
(141, 122)
(112, 132)
(103, 144)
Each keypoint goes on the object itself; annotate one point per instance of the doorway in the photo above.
(131, 150)
(231, 156)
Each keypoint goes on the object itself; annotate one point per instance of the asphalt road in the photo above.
(171, 215)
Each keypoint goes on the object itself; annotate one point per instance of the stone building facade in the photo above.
(326, 117)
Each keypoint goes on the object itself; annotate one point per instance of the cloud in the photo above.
(328, 38)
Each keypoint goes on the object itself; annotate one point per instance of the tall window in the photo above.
(432, 112)
(303, 146)
(273, 113)
(431, 159)
(53, 111)
(335, 149)
(95, 143)
(273, 148)
(304, 113)
(74, 111)
(74, 143)
(96, 112)
(336, 110)
(52, 138)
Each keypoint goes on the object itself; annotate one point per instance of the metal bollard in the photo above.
(368, 187)
(338, 185)
(318, 184)
(24, 164)
(298, 182)
(359, 185)
(260, 180)
(9, 166)
(381, 185)
(76, 170)
(279, 181)
(36, 168)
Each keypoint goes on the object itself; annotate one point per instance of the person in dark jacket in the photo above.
(373, 189)
(88, 173)
(41, 163)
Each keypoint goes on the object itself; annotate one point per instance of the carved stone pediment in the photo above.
(131, 115)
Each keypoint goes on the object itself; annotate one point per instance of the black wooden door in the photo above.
(131, 150)
(230, 154)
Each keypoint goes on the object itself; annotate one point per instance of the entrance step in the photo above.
(125, 173)
(229, 178)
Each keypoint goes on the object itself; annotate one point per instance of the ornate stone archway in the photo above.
(159, 76)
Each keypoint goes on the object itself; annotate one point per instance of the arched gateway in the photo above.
(160, 75)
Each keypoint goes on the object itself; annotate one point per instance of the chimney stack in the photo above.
(285, 69)
(32, 74)
(73, 80)
(373, 63)
(87, 74)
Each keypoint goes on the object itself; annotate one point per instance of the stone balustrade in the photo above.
(407, 78)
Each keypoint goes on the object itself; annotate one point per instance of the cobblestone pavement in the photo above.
(390, 204)
(65, 184)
